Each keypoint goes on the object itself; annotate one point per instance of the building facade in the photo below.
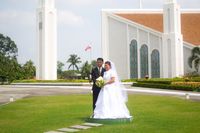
(156, 43)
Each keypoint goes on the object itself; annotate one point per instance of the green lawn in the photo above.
(152, 114)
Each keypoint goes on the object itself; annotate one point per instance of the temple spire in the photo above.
(170, 1)
(46, 68)
(46, 3)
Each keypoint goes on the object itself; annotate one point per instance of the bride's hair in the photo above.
(108, 63)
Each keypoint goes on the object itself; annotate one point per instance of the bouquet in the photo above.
(100, 82)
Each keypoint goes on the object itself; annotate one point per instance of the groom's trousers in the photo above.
(95, 96)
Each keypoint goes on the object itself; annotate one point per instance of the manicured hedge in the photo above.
(186, 84)
(154, 82)
(167, 86)
(129, 80)
(193, 79)
(191, 84)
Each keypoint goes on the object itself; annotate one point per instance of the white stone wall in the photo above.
(118, 46)
(120, 35)
(154, 42)
(132, 33)
(143, 37)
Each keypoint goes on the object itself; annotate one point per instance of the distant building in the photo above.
(156, 43)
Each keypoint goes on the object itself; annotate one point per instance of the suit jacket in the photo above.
(95, 75)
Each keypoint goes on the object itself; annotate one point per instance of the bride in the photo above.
(111, 102)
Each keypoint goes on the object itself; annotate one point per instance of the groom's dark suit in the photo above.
(95, 74)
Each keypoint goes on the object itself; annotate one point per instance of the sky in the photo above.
(79, 24)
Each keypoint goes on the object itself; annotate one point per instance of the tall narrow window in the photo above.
(144, 61)
(133, 59)
(155, 64)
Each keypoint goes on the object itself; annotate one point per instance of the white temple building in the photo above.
(46, 67)
(150, 42)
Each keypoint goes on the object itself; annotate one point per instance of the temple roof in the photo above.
(190, 23)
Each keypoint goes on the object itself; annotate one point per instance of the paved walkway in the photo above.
(76, 128)
(21, 91)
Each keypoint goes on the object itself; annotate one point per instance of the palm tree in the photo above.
(194, 59)
(74, 60)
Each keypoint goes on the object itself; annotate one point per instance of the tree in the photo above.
(85, 70)
(194, 59)
(60, 66)
(74, 60)
(8, 48)
(94, 63)
(29, 70)
(8, 59)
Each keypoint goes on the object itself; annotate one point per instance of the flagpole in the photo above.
(90, 52)
(140, 4)
(90, 55)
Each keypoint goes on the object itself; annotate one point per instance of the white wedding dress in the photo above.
(111, 102)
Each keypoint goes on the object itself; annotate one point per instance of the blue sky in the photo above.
(79, 24)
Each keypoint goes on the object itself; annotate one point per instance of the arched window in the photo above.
(144, 61)
(155, 64)
(133, 59)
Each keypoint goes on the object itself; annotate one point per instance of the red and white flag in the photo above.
(88, 48)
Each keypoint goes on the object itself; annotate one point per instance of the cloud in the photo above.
(81, 2)
(84, 2)
(69, 18)
(15, 17)
(28, 18)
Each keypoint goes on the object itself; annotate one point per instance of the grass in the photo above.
(52, 81)
(62, 81)
(152, 114)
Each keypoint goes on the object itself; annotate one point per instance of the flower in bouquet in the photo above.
(100, 82)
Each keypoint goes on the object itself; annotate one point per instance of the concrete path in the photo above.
(76, 128)
(21, 91)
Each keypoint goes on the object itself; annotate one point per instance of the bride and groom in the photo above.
(109, 102)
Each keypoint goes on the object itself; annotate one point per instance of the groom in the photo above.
(97, 72)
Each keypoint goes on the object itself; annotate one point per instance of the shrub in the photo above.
(160, 80)
(192, 74)
(165, 86)
(190, 84)
(129, 80)
(186, 84)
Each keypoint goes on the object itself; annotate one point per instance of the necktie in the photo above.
(99, 71)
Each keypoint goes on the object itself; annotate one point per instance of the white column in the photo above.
(46, 40)
(128, 51)
(104, 35)
(149, 56)
(172, 33)
(161, 57)
(138, 52)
